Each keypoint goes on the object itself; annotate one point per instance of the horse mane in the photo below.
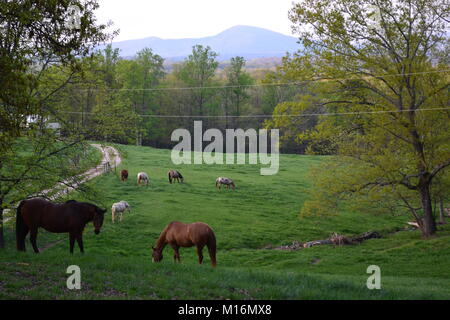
(160, 243)
(180, 174)
(83, 204)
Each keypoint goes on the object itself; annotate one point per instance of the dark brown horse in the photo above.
(175, 175)
(178, 234)
(124, 175)
(70, 217)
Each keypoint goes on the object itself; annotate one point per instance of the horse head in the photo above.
(126, 204)
(157, 255)
(99, 214)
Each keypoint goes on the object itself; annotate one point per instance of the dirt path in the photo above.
(110, 156)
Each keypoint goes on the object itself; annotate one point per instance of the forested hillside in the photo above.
(141, 101)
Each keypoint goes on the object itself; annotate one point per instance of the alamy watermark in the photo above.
(374, 18)
(74, 18)
(374, 281)
(74, 280)
(213, 153)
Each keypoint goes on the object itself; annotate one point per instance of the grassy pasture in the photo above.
(263, 210)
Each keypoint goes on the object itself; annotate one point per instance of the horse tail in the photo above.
(170, 178)
(21, 228)
(212, 248)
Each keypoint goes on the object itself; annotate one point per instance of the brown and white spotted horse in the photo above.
(226, 181)
(175, 175)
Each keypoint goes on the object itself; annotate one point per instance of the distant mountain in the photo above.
(249, 42)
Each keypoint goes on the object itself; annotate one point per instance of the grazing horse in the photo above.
(142, 176)
(226, 181)
(173, 174)
(124, 175)
(178, 234)
(119, 208)
(70, 217)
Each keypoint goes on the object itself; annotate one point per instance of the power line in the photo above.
(268, 84)
(275, 116)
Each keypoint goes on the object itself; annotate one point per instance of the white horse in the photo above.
(142, 176)
(119, 208)
(226, 181)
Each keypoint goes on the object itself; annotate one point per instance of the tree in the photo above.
(237, 81)
(386, 62)
(139, 77)
(36, 35)
(197, 72)
(113, 112)
(109, 60)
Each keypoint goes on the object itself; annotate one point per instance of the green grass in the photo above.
(263, 210)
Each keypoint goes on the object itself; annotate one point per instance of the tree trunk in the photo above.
(441, 211)
(2, 237)
(429, 225)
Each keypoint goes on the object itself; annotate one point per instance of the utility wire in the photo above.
(275, 116)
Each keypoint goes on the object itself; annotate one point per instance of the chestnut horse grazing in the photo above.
(70, 217)
(175, 175)
(178, 234)
(124, 175)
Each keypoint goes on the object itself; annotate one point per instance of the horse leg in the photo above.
(121, 214)
(200, 254)
(176, 252)
(33, 237)
(71, 241)
(21, 240)
(80, 242)
(212, 253)
(21, 233)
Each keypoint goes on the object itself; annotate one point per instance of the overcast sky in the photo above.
(170, 19)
